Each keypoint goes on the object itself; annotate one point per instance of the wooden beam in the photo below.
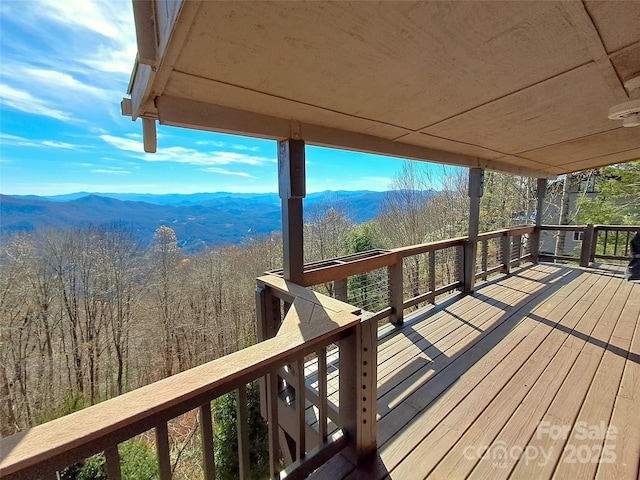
(292, 189)
(187, 113)
(145, 22)
(476, 190)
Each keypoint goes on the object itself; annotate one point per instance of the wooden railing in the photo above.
(311, 322)
(409, 276)
(597, 242)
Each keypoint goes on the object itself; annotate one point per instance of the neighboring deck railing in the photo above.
(311, 322)
(597, 242)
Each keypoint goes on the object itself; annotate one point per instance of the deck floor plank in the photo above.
(483, 356)
(599, 322)
(550, 343)
(465, 410)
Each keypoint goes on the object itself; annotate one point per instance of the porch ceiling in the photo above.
(523, 87)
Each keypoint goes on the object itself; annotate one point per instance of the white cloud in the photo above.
(227, 172)
(25, 102)
(125, 144)
(245, 148)
(67, 56)
(108, 18)
(16, 141)
(111, 171)
(190, 156)
(54, 144)
(385, 180)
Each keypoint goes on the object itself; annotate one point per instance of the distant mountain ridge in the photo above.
(199, 220)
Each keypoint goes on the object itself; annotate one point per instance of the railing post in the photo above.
(506, 253)
(396, 292)
(536, 235)
(340, 287)
(367, 397)
(585, 251)
(358, 388)
(476, 189)
(594, 244)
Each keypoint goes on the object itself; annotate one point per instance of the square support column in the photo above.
(292, 189)
(540, 194)
(476, 190)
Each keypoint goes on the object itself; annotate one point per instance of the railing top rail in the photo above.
(617, 228)
(313, 321)
(512, 231)
(428, 247)
(566, 228)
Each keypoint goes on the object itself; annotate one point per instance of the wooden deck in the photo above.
(520, 380)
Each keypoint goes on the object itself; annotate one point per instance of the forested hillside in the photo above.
(199, 220)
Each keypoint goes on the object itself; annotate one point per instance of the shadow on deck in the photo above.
(534, 375)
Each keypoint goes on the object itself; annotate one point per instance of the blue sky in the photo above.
(65, 66)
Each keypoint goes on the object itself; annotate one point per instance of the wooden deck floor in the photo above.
(520, 380)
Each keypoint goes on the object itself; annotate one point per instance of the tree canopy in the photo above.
(617, 202)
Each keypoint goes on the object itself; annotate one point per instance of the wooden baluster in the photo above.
(164, 456)
(322, 394)
(272, 419)
(206, 435)
(518, 242)
(432, 276)
(606, 238)
(626, 244)
(506, 254)
(594, 243)
(485, 258)
(615, 245)
(396, 289)
(242, 424)
(112, 457)
(300, 411)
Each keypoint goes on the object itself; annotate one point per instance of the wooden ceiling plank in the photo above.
(585, 28)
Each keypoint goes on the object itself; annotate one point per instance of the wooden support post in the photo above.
(396, 293)
(585, 251)
(292, 189)
(536, 236)
(476, 189)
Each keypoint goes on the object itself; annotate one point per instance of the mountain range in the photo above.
(199, 220)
